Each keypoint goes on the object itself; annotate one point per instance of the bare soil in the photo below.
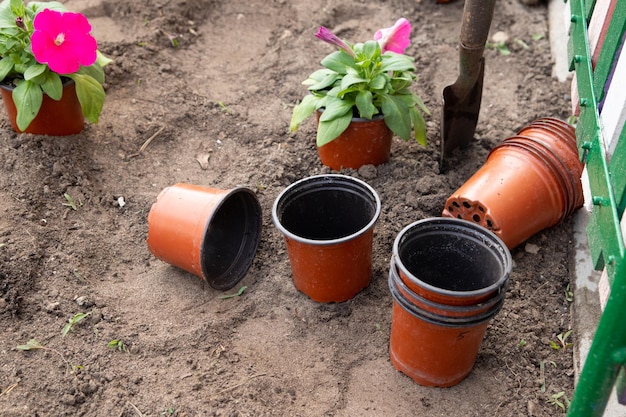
(227, 90)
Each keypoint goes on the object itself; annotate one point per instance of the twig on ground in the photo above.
(146, 143)
(136, 409)
(240, 384)
(539, 287)
(9, 389)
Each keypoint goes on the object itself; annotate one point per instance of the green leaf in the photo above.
(335, 107)
(397, 115)
(365, 105)
(419, 126)
(371, 49)
(70, 202)
(328, 80)
(351, 79)
(34, 70)
(90, 94)
(32, 344)
(95, 71)
(237, 294)
(53, 86)
(329, 130)
(39, 6)
(396, 62)
(318, 76)
(379, 82)
(6, 65)
(118, 344)
(303, 110)
(7, 19)
(78, 317)
(28, 98)
(417, 100)
(102, 60)
(338, 61)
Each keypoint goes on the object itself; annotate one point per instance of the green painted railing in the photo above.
(602, 370)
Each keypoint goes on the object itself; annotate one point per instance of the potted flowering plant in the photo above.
(46, 54)
(366, 80)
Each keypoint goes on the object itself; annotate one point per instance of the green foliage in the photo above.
(77, 318)
(365, 85)
(559, 400)
(522, 43)
(237, 294)
(32, 344)
(569, 295)
(29, 79)
(118, 344)
(70, 202)
(562, 341)
(500, 47)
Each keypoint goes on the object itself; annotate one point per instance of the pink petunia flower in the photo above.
(395, 38)
(329, 37)
(63, 41)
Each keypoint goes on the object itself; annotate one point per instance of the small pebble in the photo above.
(500, 37)
(532, 248)
(369, 172)
(68, 399)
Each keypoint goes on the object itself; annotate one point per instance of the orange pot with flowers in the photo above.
(51, 72)
(362, 97)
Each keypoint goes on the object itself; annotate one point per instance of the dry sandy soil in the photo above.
(227, 89)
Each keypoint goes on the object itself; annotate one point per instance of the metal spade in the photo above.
(461, 100)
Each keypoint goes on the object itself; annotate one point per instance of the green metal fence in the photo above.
(606, 166)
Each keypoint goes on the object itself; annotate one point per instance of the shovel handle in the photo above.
(477, 16)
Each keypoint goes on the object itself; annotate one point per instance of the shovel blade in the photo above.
(460, 110)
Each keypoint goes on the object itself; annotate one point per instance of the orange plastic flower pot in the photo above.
(209, 232)
(328, 222)
(432, 353)
(55, 118)
(451, 261)
(363, 142)
(527, 184)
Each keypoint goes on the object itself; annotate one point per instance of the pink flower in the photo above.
(63, 41)
(329, 37)
(395, 38)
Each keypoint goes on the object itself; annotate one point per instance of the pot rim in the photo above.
(248, 246)
(395, 287)
(7, 84)
(456, 310)
(473, 230)
(340, 178)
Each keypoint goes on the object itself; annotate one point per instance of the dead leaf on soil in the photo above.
(203, 160)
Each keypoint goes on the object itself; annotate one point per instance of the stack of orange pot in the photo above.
(530, 181)
(448, 279)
